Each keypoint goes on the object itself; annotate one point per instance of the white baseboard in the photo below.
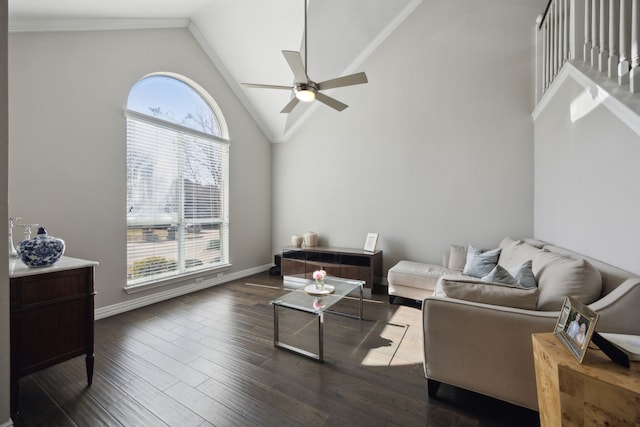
(7, 423)
(112, 310)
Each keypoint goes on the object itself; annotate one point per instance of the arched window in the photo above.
(177, 180)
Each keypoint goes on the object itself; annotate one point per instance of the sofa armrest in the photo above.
(618, 309)
(482, 347)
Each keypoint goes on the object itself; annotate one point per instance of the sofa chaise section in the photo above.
(487, 348)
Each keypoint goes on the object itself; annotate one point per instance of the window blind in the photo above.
(177, 215)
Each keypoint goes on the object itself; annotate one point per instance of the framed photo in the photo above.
(575, 327)
(370, 243)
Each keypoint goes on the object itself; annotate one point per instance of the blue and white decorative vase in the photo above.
(42, 250)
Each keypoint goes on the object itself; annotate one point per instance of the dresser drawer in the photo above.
(50, 287)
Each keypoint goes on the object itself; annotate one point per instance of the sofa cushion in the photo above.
(488, 293)
(416, 274)
(507, 246)
(559, 276)
(515, 253)
(480, 263)
(457, 257)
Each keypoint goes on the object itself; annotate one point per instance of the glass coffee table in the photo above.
(318, 305)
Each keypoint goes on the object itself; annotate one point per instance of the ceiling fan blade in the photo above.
(266, 86)
(295, 63)
(353, 79)
(290, 106)
(333, 103)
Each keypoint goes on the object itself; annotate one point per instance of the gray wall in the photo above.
(67, 158)
(586, 179)
(4, 253)
(436, 149)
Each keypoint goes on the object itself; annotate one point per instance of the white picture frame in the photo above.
(371, 242)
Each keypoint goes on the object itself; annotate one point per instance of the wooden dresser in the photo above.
(595, 393)
(52, 315)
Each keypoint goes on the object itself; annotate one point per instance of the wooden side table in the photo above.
(595, 393)
(52, 315)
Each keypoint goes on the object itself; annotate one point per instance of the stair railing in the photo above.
(605, 33)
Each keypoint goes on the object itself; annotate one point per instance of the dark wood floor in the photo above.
(208, 358)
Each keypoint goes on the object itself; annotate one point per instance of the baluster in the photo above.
(545, 56)
(614, 36)
(560, 10)
(634, 76)
(559, 32)
(595, 20)
(549, 49)
(576, 30)
(554, 39)
(603, 57)
(565, 37)
(587, 31)
(625, 41)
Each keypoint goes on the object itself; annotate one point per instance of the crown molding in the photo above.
(41, 25)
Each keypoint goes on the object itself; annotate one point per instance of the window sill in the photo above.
(193, 277)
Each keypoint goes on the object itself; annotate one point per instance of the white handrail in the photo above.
(606, 31)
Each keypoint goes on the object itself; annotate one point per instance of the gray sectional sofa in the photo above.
(477, 333)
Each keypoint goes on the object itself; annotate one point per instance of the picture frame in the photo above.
(575, 326)
(371, 242)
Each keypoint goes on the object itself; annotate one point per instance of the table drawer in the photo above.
(50, 287)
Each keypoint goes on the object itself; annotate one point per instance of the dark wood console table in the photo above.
(339, 262)
(52, 316)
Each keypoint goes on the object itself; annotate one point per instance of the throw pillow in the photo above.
(457, 257)
(559, 276)
(479, 263)
(524, 275)
(489, 293)
(508, 246)
(500, 275)
(518, 254)
(521, 276)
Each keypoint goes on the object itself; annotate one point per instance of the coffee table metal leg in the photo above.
(276, 338)
(321, 337)
(276, 331)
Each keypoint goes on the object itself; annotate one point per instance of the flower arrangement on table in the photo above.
(319, 276)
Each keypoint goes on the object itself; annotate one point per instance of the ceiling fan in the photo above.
(305, 89)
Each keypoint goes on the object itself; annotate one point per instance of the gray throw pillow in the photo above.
(524, 275)
(500, 275)
(479, 263)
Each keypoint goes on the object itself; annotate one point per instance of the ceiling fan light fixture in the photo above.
(306, 92)
(306, 95)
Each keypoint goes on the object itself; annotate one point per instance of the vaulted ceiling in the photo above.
(244, 39)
